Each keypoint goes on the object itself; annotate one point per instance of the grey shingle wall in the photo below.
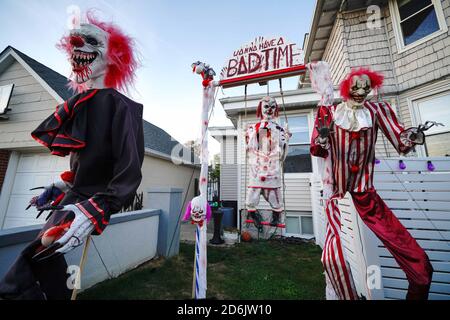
(336, 53)
(424, 63)
(369, 47)
(352, 44)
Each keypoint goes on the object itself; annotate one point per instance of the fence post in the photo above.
(169, 201)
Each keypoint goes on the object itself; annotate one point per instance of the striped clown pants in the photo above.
(337, 270)
(376, 215)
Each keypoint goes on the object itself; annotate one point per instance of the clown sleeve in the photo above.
(251, 141)
(391, 128)
(284, 144)
(316, 148)
(128, 153)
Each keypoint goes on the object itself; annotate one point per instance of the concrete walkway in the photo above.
(188, 231)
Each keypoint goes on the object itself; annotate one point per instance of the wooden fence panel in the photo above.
(421, 200)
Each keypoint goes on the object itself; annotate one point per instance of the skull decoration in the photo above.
(267, 109)
(196, 213)
(358, 84)
(100, 54)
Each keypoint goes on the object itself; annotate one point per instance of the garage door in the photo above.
(33, 170)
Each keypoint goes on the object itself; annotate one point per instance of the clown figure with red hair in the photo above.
(344, 139)
(101, 130)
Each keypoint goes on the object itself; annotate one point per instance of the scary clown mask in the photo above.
(352, 115)
(267, 109)
(358, 84)
(196, 212)
(101, 56)
(88, 57)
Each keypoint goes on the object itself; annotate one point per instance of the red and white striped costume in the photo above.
(352, 155)
(356, 149)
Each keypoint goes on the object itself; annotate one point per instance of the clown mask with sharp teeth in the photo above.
(101, 56)
(89, 45)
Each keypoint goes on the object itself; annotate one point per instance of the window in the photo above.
(5, 96)
(435, 108)
(299, 226)
(417, 20)
(298, 158)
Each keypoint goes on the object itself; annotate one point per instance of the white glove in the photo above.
(78, 232)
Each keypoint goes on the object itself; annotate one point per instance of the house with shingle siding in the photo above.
(25, 164)
(406, 40)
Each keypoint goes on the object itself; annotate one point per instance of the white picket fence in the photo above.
(421, 200)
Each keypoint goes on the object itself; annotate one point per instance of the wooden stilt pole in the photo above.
(82, 262)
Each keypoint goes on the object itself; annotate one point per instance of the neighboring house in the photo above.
(25, 164)
(228, 191)
(409, 44)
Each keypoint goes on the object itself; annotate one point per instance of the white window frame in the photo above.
(301, 235)
(395, 14)
(429, 92)
(9, 88)
(309, 114)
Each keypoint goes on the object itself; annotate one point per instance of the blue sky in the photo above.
(170, 36)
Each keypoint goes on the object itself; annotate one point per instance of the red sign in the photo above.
(261, 60)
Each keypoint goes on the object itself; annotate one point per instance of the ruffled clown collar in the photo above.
(354, 117)
(65, 130)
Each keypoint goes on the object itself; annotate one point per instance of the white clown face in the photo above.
(198, 213)
(360, 88)
(88, 57)
(269, 108)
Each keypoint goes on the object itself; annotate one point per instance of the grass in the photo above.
(258, 270)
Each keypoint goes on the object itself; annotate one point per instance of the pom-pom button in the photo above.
(354, 169)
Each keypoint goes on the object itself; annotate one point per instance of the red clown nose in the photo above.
(77, 41)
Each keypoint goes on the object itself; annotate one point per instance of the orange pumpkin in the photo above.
(246, 236)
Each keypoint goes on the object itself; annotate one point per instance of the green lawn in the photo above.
(258, 270)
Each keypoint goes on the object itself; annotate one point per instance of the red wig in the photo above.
(259, 110)
(376, 81)
(121, 55)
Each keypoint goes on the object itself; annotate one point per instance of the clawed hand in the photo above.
(79, 230)
(416, 135)
(322, 128)
(428, 125)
